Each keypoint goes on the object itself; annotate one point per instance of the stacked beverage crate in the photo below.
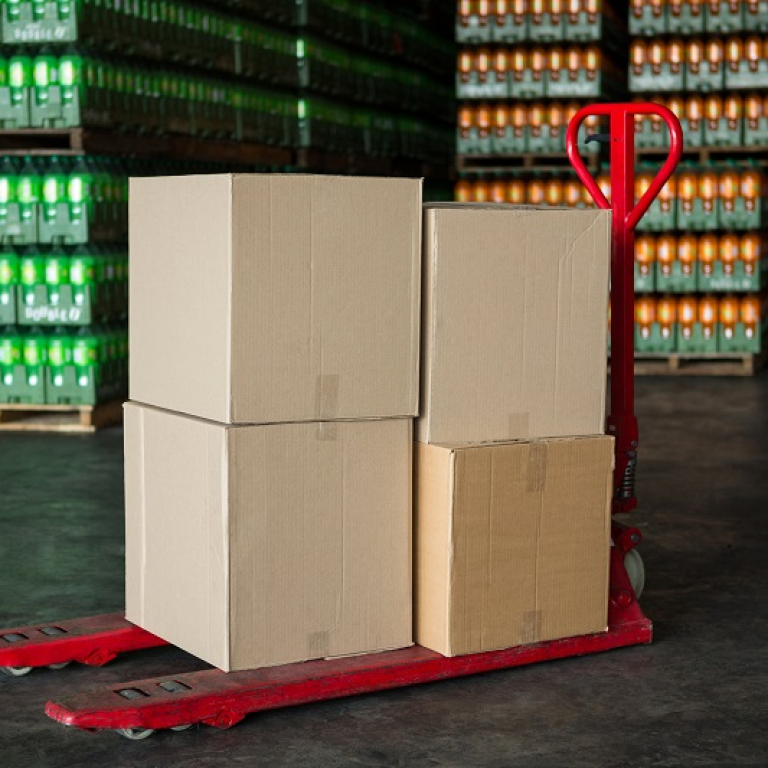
(700, 251)
(523, 70)
(93, 92)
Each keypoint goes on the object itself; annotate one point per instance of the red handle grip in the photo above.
(621, 111)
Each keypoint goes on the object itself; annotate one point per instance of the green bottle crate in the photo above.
(739, 339)
(23, 358)
(476, 141)
(545, 27)
(675, 278)
(39, 21)
(660, 217)
(725, 18)
(693, 133)
(723, 132)
(527, 85)
(510, 28)
(577, 85)
(706, 77)
(742, 215)
(697, 216)
(668, 78)
(697, 338)
(756, 16)
(756, 132)
(650, 134)
(510, 140)
(10, 278)
(15, 81)
(656, 338)
(19, 198)
(739, 75)
(474, 30)
(475, 86)
(739, 280)
(685, 19)
(645, 278)
(648, 21)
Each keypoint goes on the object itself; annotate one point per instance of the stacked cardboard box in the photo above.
(274, 377)
(512, 471)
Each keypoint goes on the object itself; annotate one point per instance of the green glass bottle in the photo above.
(59, 354)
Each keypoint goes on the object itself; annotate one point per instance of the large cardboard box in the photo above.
(250, 546)
(268, 298)
(515, 310)
(512, 542)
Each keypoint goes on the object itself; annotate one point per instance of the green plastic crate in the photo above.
(647, 21)
(756, 21)
(667, 79)
(695, 338)
(685, 19)
(737, 281)
(723, 132)
(675, 278)
(728, 18)
(655, 338)
(15, 80)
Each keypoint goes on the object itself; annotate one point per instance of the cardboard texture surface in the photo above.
(271, 298)
(251, 546)
(515, 308)
(511, 542)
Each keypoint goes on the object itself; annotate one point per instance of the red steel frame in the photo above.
(222, 700)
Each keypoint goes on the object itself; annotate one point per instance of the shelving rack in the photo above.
(91, 94)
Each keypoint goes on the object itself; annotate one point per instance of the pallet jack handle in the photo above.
(621, 422)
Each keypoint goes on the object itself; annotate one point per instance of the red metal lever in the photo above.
(622, 423)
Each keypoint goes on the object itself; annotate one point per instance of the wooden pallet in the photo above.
(78, 419)
(77, 141)
(692, 364)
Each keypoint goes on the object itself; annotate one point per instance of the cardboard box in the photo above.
(268, 298)
(512, 543)
(514, 322)
(251, 546)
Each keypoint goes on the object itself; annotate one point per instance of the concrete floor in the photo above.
(696, 697)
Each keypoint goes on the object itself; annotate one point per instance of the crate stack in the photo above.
(700, 252)
(523, 70)
(92, 93)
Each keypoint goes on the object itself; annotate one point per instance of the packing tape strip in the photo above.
(531, 628)
(326, 397)
(318, 645)
(518, 426)
(326, 431)
(537, 467)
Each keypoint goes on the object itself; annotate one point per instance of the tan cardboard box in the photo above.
(266, 298)
(250, 546)
(512, 542)
(514, 332)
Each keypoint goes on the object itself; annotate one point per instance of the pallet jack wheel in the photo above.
(182, 727)
(16, 671)
(59, 666)
(635, 571)
(136, 734)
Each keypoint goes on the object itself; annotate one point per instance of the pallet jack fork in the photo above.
(136, 709)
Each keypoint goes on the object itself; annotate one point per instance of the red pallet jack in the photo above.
(136, 709)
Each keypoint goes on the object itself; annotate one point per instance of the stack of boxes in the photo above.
(282, 346)
(274, 378)
(512, 470)
(700, 257)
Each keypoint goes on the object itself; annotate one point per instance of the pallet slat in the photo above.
(699, 364)
(72, 419)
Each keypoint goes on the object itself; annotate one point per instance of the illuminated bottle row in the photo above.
(700, 263)
(699, 324)
(709, 121)
(498, 73)
(693, 199)
(505, 128)
(698, 64)
(692, 17)
(509, 21)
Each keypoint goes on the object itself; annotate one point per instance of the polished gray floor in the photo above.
(697, 697)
